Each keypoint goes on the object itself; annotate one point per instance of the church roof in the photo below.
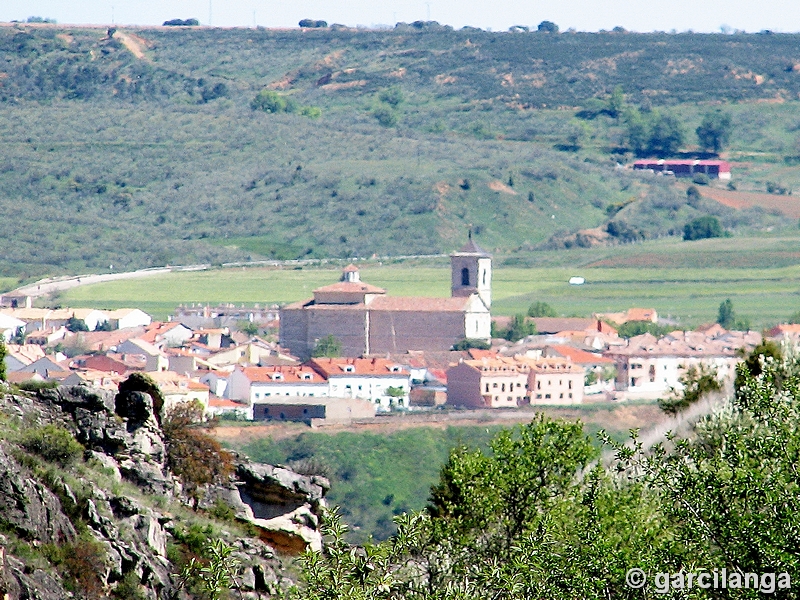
(351, 286)
(402, 303)
(472, 248)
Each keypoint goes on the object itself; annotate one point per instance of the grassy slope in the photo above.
(164, 173)
(685, 280)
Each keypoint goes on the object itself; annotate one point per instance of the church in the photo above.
(367, 321)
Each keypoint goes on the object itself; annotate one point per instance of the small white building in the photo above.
(9, 326)
(123, 318)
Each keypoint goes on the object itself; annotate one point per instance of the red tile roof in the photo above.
(283, 374)
(580, 357)
(331, 367)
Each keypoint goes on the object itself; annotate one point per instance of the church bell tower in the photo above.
(471, 272)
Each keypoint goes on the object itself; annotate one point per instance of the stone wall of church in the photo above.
(400, 331)
(294, 331)
(348, 325)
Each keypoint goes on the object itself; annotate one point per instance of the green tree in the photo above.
(637, 132)
(392, 95)
(726, 316)
(327, 347)
(385, 115)
(615, 107)
(666, 134)
(468, 343)
(3, 354)
(696, 384)
(547, 27)
(634, 328)
(541, 309)
(794, 319)
(269, 101)
(701, 228)
(714, 131)
(519, 328)
(74, 325)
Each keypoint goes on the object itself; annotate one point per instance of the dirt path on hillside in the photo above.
(135, 44)
(615, 419)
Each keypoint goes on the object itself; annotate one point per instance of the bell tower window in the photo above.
(465, 276)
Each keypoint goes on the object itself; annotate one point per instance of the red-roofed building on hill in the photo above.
(367, 321)
(715, 169)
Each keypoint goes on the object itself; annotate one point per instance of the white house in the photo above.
(254, 384)
(383, 382)
(9, 326)
(92, 317)
(122, 318)
(649, 368)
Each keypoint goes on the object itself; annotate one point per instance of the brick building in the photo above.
(367, 321)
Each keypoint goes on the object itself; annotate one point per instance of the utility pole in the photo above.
(209, 13)
(428, 4)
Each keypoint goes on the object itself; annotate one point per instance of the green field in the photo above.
(683, 281)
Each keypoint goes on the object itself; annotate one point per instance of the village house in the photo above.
(123, 318)
(155, 360)
(364, 320)
(632, 314)
(166, 335)
(384, 382)
(497, 382)
(650, 368)
(554, 380)
(9, 326)
(177, 388)
(257, 384)
(21, 355)
(600, 371)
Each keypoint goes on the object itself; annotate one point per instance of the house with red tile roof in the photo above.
(262, 384)
(365, 320)
(496, 382)
(365, 378)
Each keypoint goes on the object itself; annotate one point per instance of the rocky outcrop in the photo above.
(124, 440)
(28, 507)
(284, 505)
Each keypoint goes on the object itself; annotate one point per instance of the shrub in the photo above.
(468, 343)
(192, 454)
(702, 227)
(52, 443)
(541, 309)
(393, 95)
(701, 179)
(268, 101)
(385, 116)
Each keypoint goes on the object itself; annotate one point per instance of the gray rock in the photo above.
(29, 507)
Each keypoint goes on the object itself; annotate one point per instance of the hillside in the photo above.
(136, 148)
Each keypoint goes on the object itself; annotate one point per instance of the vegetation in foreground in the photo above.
(538, 517)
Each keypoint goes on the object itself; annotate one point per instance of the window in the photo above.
(484, 277)
(570, 394)
(570, 385)
(487, 388)
(547, 396)
(465, 276)
(561, 395)
(503, 387)
(494, 385)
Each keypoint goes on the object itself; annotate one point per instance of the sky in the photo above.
(497, 15)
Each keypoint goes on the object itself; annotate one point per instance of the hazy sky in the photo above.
(498, 15)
